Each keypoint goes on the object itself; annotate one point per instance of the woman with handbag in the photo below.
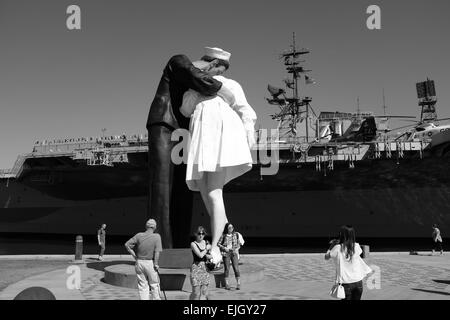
(229, 246)
(200, 277)
(350, 267)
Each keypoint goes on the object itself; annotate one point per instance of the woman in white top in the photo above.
(350, 267)
(221, 136)
(437, 240)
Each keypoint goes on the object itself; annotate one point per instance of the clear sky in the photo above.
(56, 83)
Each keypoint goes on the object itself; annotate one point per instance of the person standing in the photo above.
(437, 240)
(229, 246)
(145, 247)
(350, 267)
(101, 238)
(200, 277)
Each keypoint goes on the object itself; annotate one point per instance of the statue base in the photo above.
(175, 272)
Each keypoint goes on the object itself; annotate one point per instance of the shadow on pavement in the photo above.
(442, 281)
(415, 253)
(101, 265)
(433, 291)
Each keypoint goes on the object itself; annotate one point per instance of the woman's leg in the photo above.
(237, 274)
(195, 295)
(348, 291)
(226, 267)
(202, 185)
(214, 190)
(357, 291)
(204, 292)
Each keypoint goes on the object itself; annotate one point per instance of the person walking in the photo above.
(229, 246)
(350, 267)
(145, 247)
(200, 277)
(101, 238)
(437, 240)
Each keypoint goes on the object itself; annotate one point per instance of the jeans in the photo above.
(148, 280)
(231, 258)
(437, 245)
(353, 291)
(102, 248)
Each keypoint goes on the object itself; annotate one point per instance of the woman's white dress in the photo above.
(218, 134)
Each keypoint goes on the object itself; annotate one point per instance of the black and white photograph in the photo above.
(238, 152)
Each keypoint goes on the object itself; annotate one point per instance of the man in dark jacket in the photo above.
(179, 75)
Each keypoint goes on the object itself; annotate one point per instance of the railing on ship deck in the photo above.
(6, 173)
(71, 145)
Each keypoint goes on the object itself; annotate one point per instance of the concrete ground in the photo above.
(12, 271)
(398, 276)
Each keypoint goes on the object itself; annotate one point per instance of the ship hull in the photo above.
(380, 198)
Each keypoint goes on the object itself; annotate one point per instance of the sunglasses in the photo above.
(201, 233)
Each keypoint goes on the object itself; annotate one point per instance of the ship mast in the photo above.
(291, 112)
(426, 93)
(358, 109)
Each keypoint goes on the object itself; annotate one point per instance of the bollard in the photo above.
(79, 248)
(365, 251)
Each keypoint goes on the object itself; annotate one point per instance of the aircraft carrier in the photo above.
(389, 188)
(351, 169)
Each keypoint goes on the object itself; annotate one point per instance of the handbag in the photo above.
(337, 290)
(210, 266)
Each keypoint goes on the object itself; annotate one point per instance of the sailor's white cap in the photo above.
(217, 53)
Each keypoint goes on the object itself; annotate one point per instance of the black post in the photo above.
(79, 248)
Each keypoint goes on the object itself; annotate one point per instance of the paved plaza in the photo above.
(399, 276)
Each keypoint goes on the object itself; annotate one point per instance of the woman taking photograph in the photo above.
(350, 267)
(200, 277)
(229, 246)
